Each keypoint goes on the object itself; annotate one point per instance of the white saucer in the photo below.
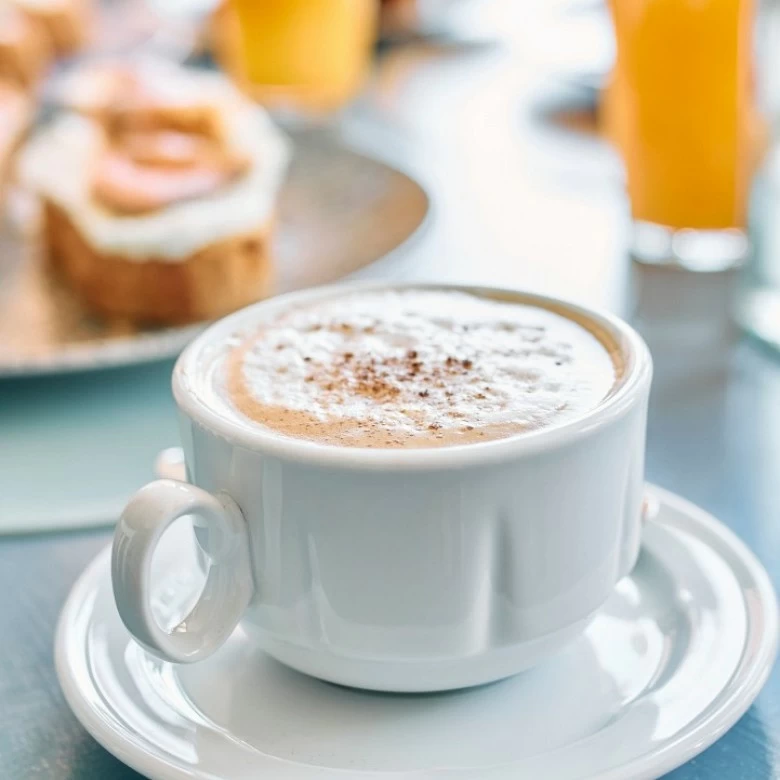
(672, 661)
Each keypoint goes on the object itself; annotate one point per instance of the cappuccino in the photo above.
(416, 368)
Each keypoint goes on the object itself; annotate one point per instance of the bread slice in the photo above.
(211, 282)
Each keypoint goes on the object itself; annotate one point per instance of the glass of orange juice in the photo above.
(310, 55)
(681, 108)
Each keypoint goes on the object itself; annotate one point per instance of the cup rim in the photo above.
(636, 378)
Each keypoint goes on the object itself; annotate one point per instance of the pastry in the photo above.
(66, 23)
(25, 51)
(145, 93)
(161, 203)
(15, 116)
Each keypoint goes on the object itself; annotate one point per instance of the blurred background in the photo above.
(618, 153)
(622, 154)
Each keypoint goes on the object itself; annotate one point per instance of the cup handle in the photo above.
(229, 584)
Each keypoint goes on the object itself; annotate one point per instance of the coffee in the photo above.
(416, 368)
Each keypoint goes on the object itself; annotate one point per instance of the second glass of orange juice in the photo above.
(680, 106)
(305, 54)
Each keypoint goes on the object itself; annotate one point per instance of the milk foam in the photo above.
(415, 368)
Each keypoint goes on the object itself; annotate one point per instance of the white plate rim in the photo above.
(106, 353)
(731, 703)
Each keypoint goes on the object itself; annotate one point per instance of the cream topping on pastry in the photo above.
(60, 164)
(141, 172)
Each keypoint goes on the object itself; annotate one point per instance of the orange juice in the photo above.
(680, 109)
(313, 53)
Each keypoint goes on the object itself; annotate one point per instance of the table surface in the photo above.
(516, 202)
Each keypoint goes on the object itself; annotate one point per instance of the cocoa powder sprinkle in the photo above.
(417, 382)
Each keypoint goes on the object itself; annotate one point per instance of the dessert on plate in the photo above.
(66, 23)
(159, 193)
(25, 50)
(16, 111)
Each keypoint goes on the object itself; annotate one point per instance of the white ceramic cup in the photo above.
(395, 569)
